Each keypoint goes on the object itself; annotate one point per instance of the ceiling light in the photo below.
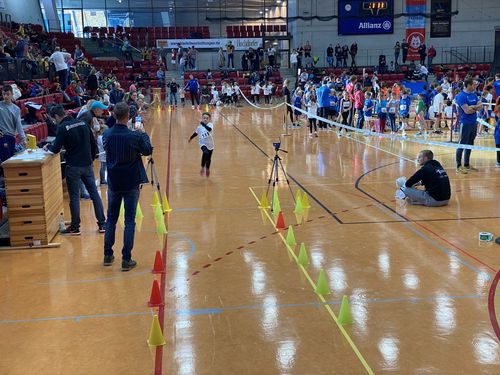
(260, 12)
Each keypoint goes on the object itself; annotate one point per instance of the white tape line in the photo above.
(256, 106)
(482, 122)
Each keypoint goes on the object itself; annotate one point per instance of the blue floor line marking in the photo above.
(180, 236)
(220, 310)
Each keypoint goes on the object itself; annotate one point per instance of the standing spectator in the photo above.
(124, 149)
(338, 55)
(329, 56)
(60, 60)
(116, 94)
(271, 52)
(405, 47)
(437, 109)
(307, 54)
(294, 60)
(192, 58)
(182, 65)
(397, 50)
(244, 61)
(78, 55)
(230, 55)
(221, 58)
(160, 75)
(422, 51)
(172, 96)
(162, 53)
(345, 55)
(359, 101)
(10, 123)
(92, 82)
(353, 52)
(288, 100)
(323, 95)
(468, 106)
(173, 58)
(300, 54)
(431, 53)
(81, 150)
(193, 87)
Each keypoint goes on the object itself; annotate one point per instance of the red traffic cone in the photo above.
(280, 223)
(158, 266)
(155, 299)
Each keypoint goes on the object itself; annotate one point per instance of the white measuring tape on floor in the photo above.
(482, 122)
(256, 106)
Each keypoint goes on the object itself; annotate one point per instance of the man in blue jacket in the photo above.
(323, 94)
(124, 149)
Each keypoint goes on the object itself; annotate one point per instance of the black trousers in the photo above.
(195, 97)
(206, 157)
(289, 111)
(467, 136)
(312, 124)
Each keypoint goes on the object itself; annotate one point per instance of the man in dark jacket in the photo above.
(116, 94)
(433, 177)
(81, 150)
(126, 173)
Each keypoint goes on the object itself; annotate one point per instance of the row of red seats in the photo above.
(155, 32)
(461, 67)
(39, 130)
(41, 100)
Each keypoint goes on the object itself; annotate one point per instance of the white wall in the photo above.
(25, 11)
(473, 26)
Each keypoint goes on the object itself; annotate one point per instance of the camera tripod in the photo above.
(277, 163)
(155, 182)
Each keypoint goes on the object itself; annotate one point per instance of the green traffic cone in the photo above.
(303, 258)
(276, 203)
(345, 316)
(298, 206)
(158, 212)
(298, 195)
(138, 212)
(290, 237)
(322, 287)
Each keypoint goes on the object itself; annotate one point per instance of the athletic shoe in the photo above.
(498, 165)
(103, 183)
(400, 194)
(461, 170)
(192, 107)
(70, 231)
(202, 172)
(339, 134)
(101, 228)
(315, 134)
(469, 168)
(127, 265)
(348, 135)
(418, 134)
(207, 173)
(85, 197)
(497, 240)
(108, 260)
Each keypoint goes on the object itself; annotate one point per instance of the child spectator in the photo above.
(420, 115)
(368, 107)
(404, 111)
(312, 110)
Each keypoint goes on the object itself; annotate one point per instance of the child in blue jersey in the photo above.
(334, 105)
(404, 111)
(298, 104)
(368, 108)
(382, 111)
(497, 134)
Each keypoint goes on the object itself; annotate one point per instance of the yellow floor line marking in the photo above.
(321, 298)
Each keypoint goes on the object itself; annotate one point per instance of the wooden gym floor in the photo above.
(235, 300)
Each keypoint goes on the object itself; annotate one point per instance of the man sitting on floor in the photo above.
(432, 176)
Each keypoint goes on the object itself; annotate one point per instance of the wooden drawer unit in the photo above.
(33, 186)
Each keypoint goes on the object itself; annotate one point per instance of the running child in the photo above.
(298, 104)
(204, 132)
(420, 116)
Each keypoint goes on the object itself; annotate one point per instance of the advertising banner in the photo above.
(240, 44)
(440, 18)
(415, 27)
(362, 17)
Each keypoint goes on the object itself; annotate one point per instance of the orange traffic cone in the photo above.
(158, 266)
(155, 299)
(280, 223)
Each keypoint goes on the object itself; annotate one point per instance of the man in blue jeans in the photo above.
(126, 173)
(81, 150)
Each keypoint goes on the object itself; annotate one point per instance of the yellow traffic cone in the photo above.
(298, 195)
(290, 237)
(276, 203)
(206, 108)
(298, 206)
(155, 335)
(138, 212)
(161, 228)
(322, 287)
(303, 258)
(305, 201)
(345, 316)
(264, 204)
(166, 207)
(158, 213)
(156, 199)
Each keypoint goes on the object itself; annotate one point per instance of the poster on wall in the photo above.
(240, 44)
(415, 27)
(362, 17)
(440, 18)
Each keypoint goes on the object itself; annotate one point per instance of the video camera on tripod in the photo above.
(277, 163)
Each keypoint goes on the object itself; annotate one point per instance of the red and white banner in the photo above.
(415, 27)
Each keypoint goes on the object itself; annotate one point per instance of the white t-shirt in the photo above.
(256, 90)
(267, 89)
(312, 109)
(215, 95)
(60, 60)
(438, 102)
(205, 137)
(229, 91)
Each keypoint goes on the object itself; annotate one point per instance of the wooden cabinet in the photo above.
(34, 192)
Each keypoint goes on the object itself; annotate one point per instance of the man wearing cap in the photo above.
(95, 111)
(81, 150)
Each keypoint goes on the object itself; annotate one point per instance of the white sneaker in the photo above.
(400, 194)
(192, 107)
(400, 182)
(348, 135)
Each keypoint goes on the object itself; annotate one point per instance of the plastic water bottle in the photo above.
(62, 226)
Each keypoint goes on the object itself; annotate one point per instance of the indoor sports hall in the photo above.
(345, 217)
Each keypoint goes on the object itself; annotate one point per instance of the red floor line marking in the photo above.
(321, 217)
(491, 305)
(229, 252)
(251, 242)
(275, 232)
(207, 265)
(263, 237)
(217, 259)
(161, 310)
(240, 247)
(455, 246)
(195, 273)
(308, 221)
